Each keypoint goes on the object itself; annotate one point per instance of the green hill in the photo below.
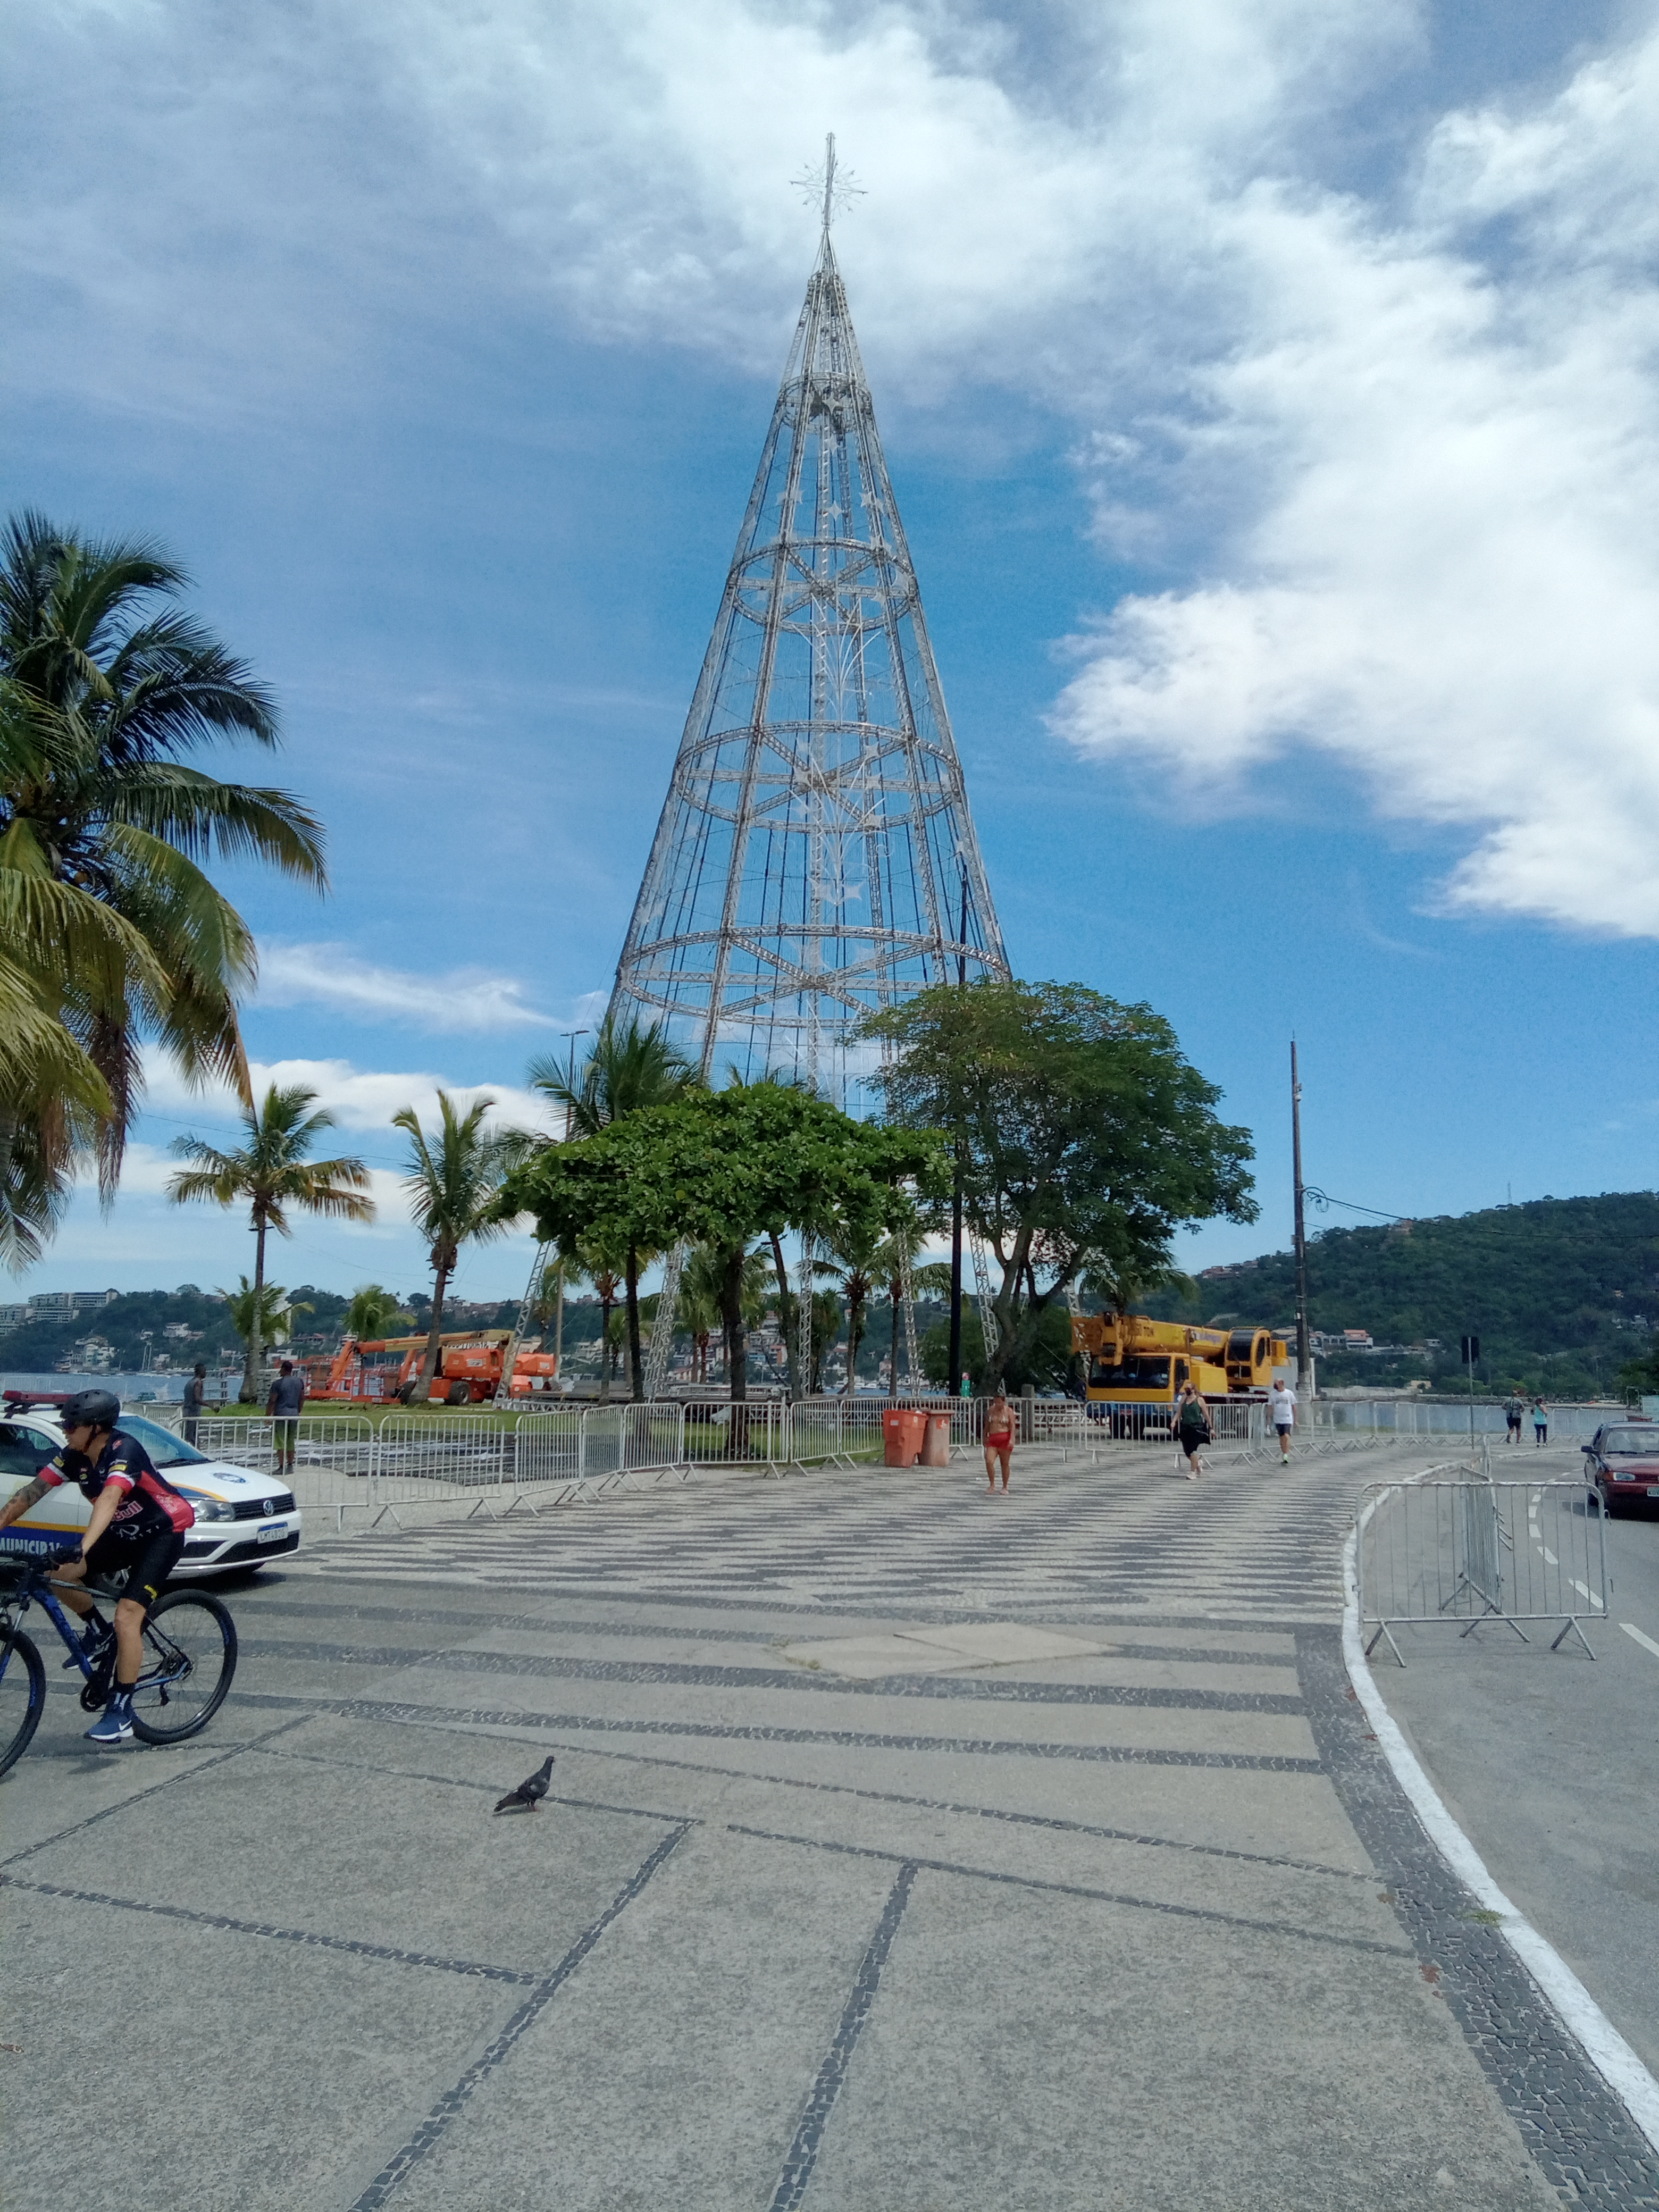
(1562, 1292)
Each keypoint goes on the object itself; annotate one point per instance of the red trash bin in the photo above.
(902, 1433)
(936, 1444)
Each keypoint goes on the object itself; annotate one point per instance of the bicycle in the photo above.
(189, 1656)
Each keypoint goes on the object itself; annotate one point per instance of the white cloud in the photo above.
(362, 1100)
(458, 999)
(1394, 461)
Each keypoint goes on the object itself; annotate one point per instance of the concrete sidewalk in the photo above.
(855, 1890)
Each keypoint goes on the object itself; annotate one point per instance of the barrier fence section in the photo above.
(1459, 1547)
(1414, 1416)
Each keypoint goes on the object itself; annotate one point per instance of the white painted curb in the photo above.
(1606, 2050)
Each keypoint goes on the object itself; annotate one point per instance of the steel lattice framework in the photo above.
(814, 857)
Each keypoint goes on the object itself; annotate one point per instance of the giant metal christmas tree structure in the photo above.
(814, 857)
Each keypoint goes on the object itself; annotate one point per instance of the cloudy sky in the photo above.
(1269, 390)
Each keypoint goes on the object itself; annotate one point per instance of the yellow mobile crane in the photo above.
(1135, 1361)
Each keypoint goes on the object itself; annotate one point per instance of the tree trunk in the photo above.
(251, 1370)
(855, 1332)
(735, 1337)
(605, 1304)
(786, 1322)
(631, 1291)
(892, 1378)
(429, 1361)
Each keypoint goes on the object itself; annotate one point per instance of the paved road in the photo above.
(907, 1848)
(1552, 1765)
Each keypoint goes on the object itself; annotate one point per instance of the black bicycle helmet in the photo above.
(101, 1409)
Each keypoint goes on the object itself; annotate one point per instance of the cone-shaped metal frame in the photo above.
(810, 861)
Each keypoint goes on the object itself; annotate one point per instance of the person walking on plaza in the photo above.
(1512, 1414)
(284, 1405)
(1193, 1428)
(998, 1438)
(194, 1392)
(1541, 1422)
(1281, 1411)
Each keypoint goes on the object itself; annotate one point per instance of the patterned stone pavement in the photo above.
(906, 1848)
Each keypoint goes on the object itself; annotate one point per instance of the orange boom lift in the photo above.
(387, 1370)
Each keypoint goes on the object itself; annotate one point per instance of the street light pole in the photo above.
(1303, 1348)
(955, 1192)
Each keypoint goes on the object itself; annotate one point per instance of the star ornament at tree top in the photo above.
(826, 187)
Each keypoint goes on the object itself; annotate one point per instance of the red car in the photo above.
(1622, 1462)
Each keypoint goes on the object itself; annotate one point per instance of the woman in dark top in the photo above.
(1193, 1427)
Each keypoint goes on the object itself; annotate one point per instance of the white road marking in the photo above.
(1551, 1556)
(1617, 2063)
(1636, 1635)
(1584, 1590)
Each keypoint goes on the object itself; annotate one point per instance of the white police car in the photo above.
(243, 1518)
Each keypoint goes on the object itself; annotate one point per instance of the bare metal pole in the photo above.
(1303, 1348)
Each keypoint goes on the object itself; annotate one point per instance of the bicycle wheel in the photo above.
(190, 1656)
(22, 1694)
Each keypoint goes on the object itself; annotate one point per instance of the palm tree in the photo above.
(701, 1285)
(826, 1328)
(854, 1261)
(626, 1070)
(106, 690)
(900, 1249)
(453, 1181)
(590, 1260)
(268, 1307)
(373, 1312)
(272, 1173)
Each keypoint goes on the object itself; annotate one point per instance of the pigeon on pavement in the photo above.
(529, 1793)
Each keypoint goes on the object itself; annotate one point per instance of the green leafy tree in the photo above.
(453, 1181)
(374, 1312)
(273, 1175)
(106, 687)
(701, 1286)
(721, 1168)
(1086, 1138)
(626, 1070)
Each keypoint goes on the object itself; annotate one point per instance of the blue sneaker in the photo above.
(96, 1640)
(114, 1725)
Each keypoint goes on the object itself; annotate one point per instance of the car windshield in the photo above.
(1632, 1443)
(163, 1447)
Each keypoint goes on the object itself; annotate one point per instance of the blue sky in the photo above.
(1268, 390)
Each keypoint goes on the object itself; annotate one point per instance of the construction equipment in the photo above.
(387, 1369)
(1135, 1361)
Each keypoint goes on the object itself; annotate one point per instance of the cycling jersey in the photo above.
(150, 1506)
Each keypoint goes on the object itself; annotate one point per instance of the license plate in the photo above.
(273, 1532)
(1653, 1490)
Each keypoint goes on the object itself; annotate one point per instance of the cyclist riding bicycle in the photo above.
(138, 1529)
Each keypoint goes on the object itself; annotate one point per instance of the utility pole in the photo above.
(955, 1192)
(1305, 1380)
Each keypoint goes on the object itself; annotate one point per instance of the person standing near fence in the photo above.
(1281, 1411)
(285, 1404)
(1512, 1414)
(194, 1391)
(998, 1438)
(1541, 1422)
(1193, 1428)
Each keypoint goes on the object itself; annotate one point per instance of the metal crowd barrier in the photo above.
(1459, 1547)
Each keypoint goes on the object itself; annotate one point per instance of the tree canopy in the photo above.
(722, 1168)
(1086, 1138)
